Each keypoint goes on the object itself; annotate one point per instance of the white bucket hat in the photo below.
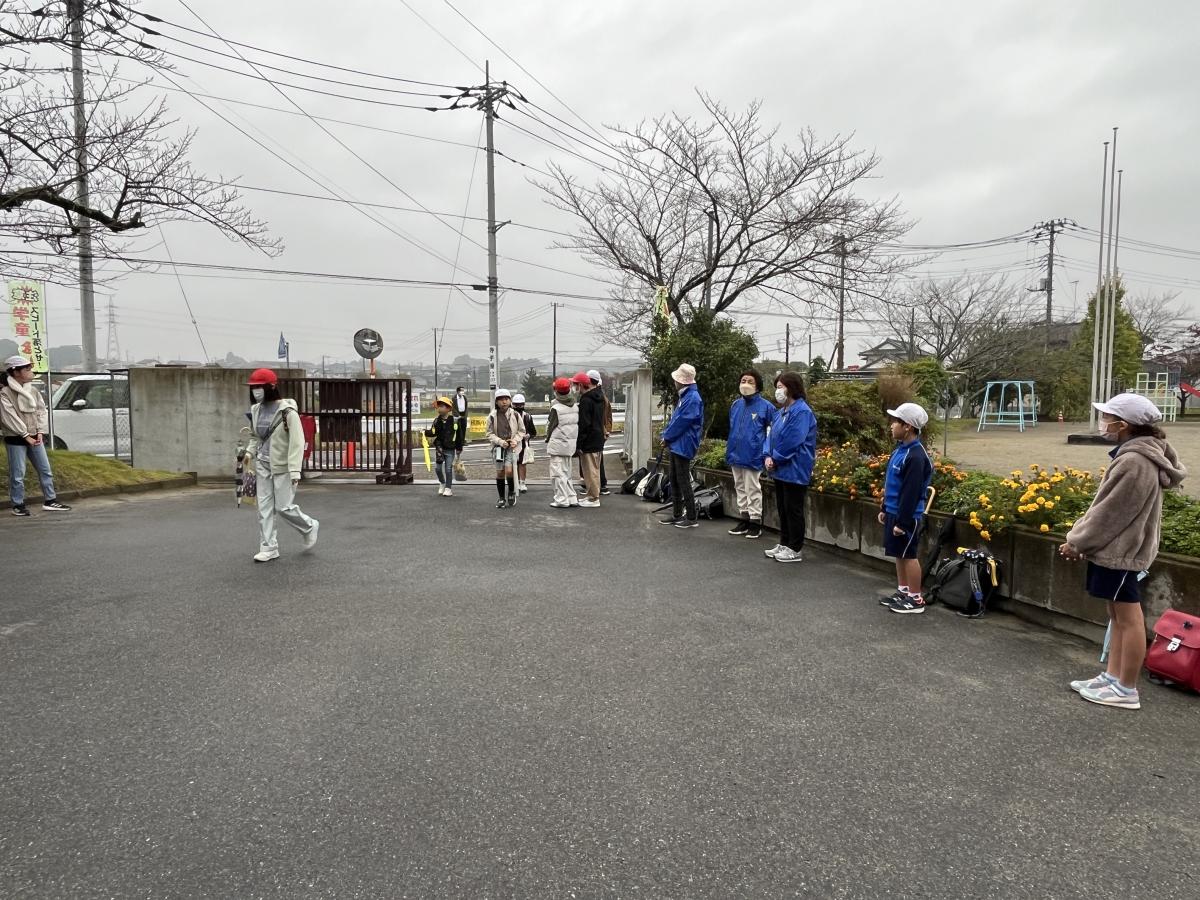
(685, 374)
(517, 398)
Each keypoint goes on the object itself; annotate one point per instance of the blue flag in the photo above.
(283, 347)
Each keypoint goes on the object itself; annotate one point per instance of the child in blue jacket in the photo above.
(788, 454)
(749, 418)
(681, 438)
(909, 472)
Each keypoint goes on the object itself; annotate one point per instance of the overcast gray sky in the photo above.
(988, 118)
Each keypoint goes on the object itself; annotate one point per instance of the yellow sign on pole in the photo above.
(662, 303)
(27, 301)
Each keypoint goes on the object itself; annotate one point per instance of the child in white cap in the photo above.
(24, 423)
(1119, 536)
(909, 472)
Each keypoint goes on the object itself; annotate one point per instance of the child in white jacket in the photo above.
(562, 431)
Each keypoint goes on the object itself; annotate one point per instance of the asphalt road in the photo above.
(593, 706)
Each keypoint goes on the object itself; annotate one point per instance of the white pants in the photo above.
(277, 498)
(560, 480)
(748, 485)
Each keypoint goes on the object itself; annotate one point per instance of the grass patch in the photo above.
(82, 471)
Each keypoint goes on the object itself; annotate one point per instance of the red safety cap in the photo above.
(262, 377)
(581, 378)
(562, 385)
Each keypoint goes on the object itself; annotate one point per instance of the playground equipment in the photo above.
(1001, 393)
(1157, 388)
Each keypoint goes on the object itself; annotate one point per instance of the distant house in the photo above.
(889, 352)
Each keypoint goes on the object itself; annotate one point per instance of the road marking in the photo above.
(6, 630)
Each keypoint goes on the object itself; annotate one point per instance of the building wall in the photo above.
(188, 420)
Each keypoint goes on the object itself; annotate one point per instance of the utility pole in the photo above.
(810, 356)
(912, 335)
(435, 362)
(840, 355)
(787, 344)
(87, 294)
(554, 343)
(1050, 228)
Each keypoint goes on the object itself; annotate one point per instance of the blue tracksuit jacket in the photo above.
(792, 443)
(909, 472)
(683, 431)
(749, 419)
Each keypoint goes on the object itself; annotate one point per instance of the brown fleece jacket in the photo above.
(1121, 528)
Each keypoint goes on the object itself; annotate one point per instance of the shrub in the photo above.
(712, 454)
(850, 412)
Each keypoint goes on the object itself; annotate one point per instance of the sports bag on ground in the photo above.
(709, 504)
(965, 582)
(629, 485)
(1175, 654)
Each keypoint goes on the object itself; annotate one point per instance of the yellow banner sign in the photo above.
(27, 301)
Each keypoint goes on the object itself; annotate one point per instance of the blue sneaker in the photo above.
(1092, 683)
(907, 605)
(1108, 695)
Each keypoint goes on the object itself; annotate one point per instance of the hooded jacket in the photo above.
(22, 410)
(562, 428)
(792, 443)
(287, 438)
(1122, 527)
(749, 418)
(515, 426)
(591, 421)
(682, 434)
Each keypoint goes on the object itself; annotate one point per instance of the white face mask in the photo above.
(747, 390)
(258, 394)
(781, 395)
(1109, 435)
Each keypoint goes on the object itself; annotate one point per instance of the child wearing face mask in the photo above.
(276, 451)
(1118, 536)
(749, 418)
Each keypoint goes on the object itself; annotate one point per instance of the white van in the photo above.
(84, 415)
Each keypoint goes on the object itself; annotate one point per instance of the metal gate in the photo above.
(356, 425)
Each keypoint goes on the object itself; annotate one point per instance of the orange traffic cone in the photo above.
(1060, 417)
(348, 455)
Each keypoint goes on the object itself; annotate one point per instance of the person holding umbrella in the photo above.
(276, 450)
(444, 431)
(24, 423)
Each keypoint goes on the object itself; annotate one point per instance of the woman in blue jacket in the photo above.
(681, 438)
(789, 450)
(749, 418)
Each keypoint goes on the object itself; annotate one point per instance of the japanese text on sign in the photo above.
(27, 302)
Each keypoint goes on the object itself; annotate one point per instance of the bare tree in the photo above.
(1158, 318)
(779, 216)
(135, 156)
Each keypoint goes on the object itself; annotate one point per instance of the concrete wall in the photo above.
(640, 404)
(187, 420)
(1036, 583)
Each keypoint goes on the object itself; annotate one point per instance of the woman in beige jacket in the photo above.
(1119, 535)
(24, 423)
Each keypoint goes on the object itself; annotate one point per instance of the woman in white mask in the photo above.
(276, 451)
(788, 455)
(749, 418)
(24, 423)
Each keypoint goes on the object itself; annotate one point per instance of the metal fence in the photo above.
(356, 425)
(89, 412)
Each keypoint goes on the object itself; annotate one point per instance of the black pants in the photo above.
(789, 500)
(603, 477)
(681, 487)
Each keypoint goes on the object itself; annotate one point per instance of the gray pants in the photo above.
(277, 498)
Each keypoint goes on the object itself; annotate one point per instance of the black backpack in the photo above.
(709, 504)
(966, 582)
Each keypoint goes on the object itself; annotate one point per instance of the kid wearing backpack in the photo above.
(909, 472)
(444, 432)
(1119, 536)
(525, 451)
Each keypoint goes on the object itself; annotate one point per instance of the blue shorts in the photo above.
(901, 546)
(1113, 585)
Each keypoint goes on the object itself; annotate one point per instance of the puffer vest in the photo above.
(562, 441)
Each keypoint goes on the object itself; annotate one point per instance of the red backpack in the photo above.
(1175, 653)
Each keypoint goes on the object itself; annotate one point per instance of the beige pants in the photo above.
(748, 485)
(589, 463)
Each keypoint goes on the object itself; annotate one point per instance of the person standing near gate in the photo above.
(24, 423)
(590, 443)
(276, 451)
(460, 415)
(525, 451)
(562, 431)
(749, 418)
(505, 434)
(444, 431)
(681, 438)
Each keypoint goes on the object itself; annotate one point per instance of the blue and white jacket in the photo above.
(909, 472)
(682, 433)
(792, 443)
(749, 418)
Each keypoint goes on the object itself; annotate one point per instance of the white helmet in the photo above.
(518, 398)
(503, 392)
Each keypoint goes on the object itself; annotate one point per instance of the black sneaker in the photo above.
(604, 492)
(907, 604)
(55, 506)
(740, 528)
(687, 523)
(512, 500)
(500, 504)
(892, 598)
(20, 511)
(671, 521)
(755, 530)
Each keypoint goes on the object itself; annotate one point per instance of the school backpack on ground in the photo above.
(709, 504)
(965, 582)
(629, 485)
(1175, 654)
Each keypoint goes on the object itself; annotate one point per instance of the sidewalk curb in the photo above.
(188, 480)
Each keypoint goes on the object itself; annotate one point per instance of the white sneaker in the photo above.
(524, 488)
(310, 536)
(441, 491)
(771, 553)
(447, 493)
(266, 555)
(556, 505)
(1110, 696)
(573, 504)
(588, 504)
(1091, 684)
(787, 555)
